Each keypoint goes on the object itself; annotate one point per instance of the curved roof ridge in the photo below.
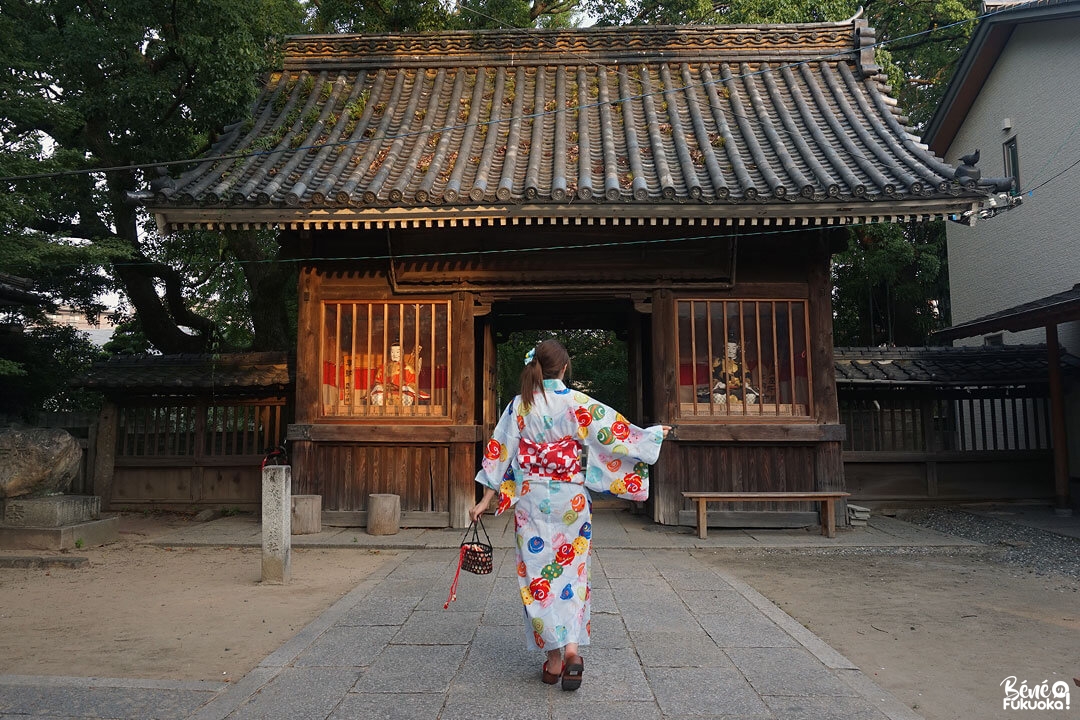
(559, 46)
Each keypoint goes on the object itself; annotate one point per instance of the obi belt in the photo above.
(559, 461)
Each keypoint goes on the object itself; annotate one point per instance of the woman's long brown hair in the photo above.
(549, 359)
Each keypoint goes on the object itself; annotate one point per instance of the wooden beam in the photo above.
(1057, 421)
(386, 433)
(759, 432)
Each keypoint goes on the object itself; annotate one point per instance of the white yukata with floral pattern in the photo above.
(534, 462)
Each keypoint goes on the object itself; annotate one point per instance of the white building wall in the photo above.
(1034, 250)
(1031, 251)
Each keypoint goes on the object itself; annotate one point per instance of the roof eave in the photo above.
(1014, 322)
(748, 214)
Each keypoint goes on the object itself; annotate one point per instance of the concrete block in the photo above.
(52, 511)
(68, 537)
(276, 524)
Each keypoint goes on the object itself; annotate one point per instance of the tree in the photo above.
(47, 357)
(890, 285)
(104, 85)
(597, 358)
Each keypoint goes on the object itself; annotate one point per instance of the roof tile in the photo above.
(355, 126)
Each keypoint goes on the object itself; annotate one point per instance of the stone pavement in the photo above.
(673, 637)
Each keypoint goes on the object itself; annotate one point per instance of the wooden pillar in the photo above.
(667, 499)
(1057, 421)
(308, 388)
(462, 490)
(828, 463)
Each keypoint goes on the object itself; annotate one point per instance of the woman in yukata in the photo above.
(534, 464)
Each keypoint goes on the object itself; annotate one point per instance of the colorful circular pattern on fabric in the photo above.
(597, 411)
(569, 517)
(526, 596)
(536, 544)
(538, 625)
(586, 530)
(582, 416)
(605, 436)
(621, 430)
(540, 588)
(565, 554)
(551, 571)
(545, 506)
(578, 502)
(614, 465)
(580, 546)
(560, 633)
(567, 592)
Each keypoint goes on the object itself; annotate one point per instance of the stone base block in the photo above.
(67, 537)
(53, 511)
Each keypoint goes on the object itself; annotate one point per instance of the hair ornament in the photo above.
(530, 356)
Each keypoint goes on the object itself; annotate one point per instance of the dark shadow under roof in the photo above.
(761, 124)
(945, 366)
(1050, 310)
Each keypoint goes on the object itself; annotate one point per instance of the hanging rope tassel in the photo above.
(453, 586)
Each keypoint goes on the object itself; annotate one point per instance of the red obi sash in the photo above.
(560, 460)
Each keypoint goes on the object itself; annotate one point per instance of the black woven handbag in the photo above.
(474, 556)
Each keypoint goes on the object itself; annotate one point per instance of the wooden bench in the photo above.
(827, 500)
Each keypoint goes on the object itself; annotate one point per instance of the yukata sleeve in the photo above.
(619, 452)
(497, 468)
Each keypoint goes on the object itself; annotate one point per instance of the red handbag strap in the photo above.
(453, 586)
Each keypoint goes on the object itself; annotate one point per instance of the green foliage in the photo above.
(890, 285)
(48, 358)
(598, 362)
(379, 16)
(90, 85)
(651, 12)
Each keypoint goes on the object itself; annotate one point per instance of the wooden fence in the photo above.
(180, 454)
(911, 444)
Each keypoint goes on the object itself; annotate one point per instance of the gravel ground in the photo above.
(1038, 551)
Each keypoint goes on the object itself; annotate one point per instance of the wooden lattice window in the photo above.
(199, 430)
(385, 358)
(743, 359)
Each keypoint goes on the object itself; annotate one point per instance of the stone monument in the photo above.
(36, 466)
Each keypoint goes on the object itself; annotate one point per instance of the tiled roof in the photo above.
(190, 374)
(15, 290)
(762, 124)
(945, 366)
(1050, 310)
